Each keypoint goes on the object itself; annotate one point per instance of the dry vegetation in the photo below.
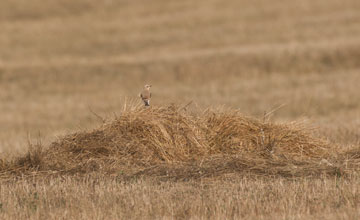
(171, 143)
(76, 144)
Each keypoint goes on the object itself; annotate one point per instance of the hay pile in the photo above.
(171, 142)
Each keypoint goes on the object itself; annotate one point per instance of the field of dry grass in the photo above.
(231, 197)
(66, 65)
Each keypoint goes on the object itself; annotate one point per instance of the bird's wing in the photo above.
(145, 94)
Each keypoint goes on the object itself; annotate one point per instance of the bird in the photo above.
(145, 95)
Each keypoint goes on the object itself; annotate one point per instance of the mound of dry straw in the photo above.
(172, 142)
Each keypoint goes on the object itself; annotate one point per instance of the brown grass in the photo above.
(96, 197)
(62, 61)
(173, 142)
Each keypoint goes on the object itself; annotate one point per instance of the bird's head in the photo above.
(147, 87)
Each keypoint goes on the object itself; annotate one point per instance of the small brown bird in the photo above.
(146, 95)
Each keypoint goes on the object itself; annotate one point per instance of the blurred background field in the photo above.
(60, 61)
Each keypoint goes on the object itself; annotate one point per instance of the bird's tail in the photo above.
(147, 102)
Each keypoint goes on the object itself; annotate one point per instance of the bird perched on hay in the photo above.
(146, 95)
